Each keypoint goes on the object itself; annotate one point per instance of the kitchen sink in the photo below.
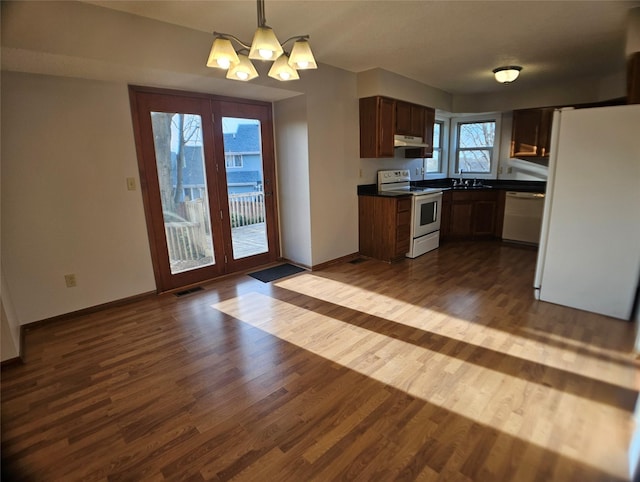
(467, 188)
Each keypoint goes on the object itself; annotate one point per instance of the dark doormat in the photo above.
(277, 272)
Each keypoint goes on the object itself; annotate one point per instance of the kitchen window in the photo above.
(436, 167)
(475, 145)
(433, 165)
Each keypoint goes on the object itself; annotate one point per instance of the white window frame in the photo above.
(495, 152)
(233, 158)
(444, 151)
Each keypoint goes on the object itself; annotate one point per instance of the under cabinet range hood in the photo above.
(408, 141)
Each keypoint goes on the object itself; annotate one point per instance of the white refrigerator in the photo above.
(589, 254)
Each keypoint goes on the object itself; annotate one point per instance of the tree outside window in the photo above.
(434, 163)
(475, 143)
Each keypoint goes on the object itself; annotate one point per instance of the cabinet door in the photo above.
(404, 118)
(428, 116)
(430, 119)
(461, 218)
(377, 126)
(484, 218)
(525, 132)
(386, 127)
(531, 132)
(410, 119)
(544, 138)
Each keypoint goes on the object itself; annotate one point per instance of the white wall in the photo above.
(334, 154)
(292, 152)
(318, 157)
(67, 150)
(382, 82)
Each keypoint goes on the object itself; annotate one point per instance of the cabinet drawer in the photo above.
(403, 205)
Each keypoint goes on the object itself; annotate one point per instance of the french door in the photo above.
(207, 175)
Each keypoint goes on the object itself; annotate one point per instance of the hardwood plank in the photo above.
(438, 368)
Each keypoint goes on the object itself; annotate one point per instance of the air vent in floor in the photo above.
(188, 292)
(358, 260)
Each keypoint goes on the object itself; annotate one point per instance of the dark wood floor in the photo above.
(439, 368)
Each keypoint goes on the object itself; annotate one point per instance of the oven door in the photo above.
(426, 214)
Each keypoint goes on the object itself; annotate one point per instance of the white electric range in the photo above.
(425, 209)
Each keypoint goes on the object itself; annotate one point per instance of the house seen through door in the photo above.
(207, 171)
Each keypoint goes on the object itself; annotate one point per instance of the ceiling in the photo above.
(451, 45)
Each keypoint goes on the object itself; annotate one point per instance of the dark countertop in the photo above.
(447, 184)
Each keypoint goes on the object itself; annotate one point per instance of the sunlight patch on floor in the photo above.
(511, 404)
(570, 356)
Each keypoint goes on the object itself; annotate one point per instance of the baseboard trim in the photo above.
(11, 362)
(85, 311)
(342, 259)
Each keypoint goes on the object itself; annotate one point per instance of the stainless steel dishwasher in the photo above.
(523, 217)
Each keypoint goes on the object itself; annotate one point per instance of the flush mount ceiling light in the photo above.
(507, 74)
(265, 46)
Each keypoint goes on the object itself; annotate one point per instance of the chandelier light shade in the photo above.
(265, 46)
(301, 57)
(507, 74)
(281, 69)
(222, 54)
(243, 70)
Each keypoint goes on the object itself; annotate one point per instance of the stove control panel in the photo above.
(401, 175)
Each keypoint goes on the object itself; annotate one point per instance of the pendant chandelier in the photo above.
(265, 46)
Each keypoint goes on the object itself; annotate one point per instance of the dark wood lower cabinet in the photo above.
(384, 226)
(472, 214)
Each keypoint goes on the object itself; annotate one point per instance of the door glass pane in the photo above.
(243, 165)
(183, 190)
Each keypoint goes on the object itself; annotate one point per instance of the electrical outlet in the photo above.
(131, 183)
(500, 169)
(70, 280)
(509, 170)
(417, 171)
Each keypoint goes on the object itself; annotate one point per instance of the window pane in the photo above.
(243, 147)
(477, 134)
(475, 160)
(433, 163)
(436, 135)
(181, 173)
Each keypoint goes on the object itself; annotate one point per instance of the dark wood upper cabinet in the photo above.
(410, 119)
(531, 133)
(377, 126)
(427, 134)
(381, 118)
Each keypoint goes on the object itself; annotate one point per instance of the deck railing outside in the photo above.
(190, 240)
